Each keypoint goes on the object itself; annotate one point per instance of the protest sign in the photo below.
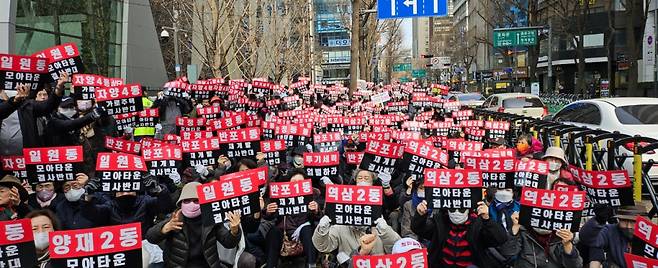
(551, 210)
(318, 165)
(109, 246)
(120, 172)
(84, 85)
(327, 142)
(275, 152)
(456, 146)
(634, 261)
(496, 129)
(209, 113)
(645, 238)
(353, 158)
(381, 156)
(292, 197)
(236, 191)
(196, 135)
(65, 57)
(15, 70)
(353, 205)
(125, 121)
(15, 165)
(51, 164)
(190, 124)
(294, 134)
(496, 172)
(612, 187)
(419, 156)
(228, 122)
(175, 89)
(122, 146)
(531, 173)
(202, 91)
(17, 244)
(120, 99)
(148, 118)
(201, 152)
(239, 143)
(413, 259)
(164, 160)
(453, 188)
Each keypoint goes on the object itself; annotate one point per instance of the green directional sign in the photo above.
(420, 73)
(514, 37)
(404, 79)
(403, 67)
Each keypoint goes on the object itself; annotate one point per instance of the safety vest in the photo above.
(145, 131)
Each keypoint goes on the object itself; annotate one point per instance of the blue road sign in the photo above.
(393, 9)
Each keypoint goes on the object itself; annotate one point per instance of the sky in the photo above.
(406, 33)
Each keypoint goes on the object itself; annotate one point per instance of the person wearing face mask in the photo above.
(13, 199)
(43, 222)
(416, 191)
(186, 241)
(615, 239)
(458, 237)
(69, 211)
(63, 128)
(527, 146)
(45, 197)
(503, 206)
(298, 157)
(557, 164)
(171, 107)
(346, 239)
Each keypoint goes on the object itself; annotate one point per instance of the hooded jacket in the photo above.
(529, 253)
(346, 240)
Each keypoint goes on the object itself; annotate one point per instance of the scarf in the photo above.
(415, 200)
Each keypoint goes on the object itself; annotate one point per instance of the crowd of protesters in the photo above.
(490, 234)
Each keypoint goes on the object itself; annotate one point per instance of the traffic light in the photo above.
(426, 56)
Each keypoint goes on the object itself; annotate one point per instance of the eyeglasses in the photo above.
(75, 186)
(187, 201)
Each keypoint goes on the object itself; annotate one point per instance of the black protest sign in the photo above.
(229, 121)
(84, 85)
(15, 70)
(645, 238)
(453, 188)
(354, 205)
(203, 152)
(65, 57)
(164, 160)
(475, 134)
(125, 121)
(318, 165)
(292, 197)
(267, 129)
(531, 173)
(294, 134)
(353, 125)
(120, 172)
(15, 165)
(462, 115)
(291, 102)
(122, 146)
(17, 244)
(275, 152)
(456, 146)
(419, 156)
(550, 209)
(175, 89)
(203, 91)
(612, 187)
(441, 129)
(327, 142)
(397, 107)
(190, 124)
(236, 191)
(496, 172)
(262, 87)
(381, 156)
(496, 129)
(148, 118)
(239, 143)
(108, 246)
(120, 99)
(51, 164)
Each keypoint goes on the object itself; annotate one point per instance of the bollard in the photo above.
(637, 173)
(588, 153)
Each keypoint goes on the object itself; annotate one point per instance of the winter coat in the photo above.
(481, 234)
(170, 108)
(346, 240)
(610, 246)
(28, 112)
(64, 131)
(70, 216)
(8, 107)
(176, 243)
(408, 212)
(33, 204)
(529, 253)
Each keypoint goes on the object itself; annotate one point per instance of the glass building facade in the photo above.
(94, 25)
(333, 38)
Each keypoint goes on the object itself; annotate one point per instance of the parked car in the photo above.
(516, 103)
(468, 99)
(630, 116)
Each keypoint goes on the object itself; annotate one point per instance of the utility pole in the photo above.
(176, 57)
(311, 40)
(354, 46)
(550, 57)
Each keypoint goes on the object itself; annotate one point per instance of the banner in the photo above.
(420, 156)
(327, 142)
(162, 161)
(17, 244)
(227, 122)
(240, 143)
(196, 135)
(236, 191)
(292, 197)
(15, 165)
(148, 118)
(318, 165)
(381, 156)
(120, 172)
(65, 57)
(551, 210)
(294, 134)
(453, 188)
(456, 146)
(612, 187)
(377, 136)
(496, 172)
(353, 125)
(496, 129)
(353, 205)
(645, 236)
(413, 259)
(190, 124)
(122, 146)
(202, 92)
(531, 173)
(51, 164)
(275, 152)
(354, 158)
(209, 113)
(108, 246)
(120, 99)
(203, 152)
(84, 85)
(175, 89)
(125, 120)
(15, 69)
(633, 261)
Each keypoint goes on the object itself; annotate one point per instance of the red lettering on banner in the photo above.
(457, 178)
(167, 152)
(53, 155)
(119, 162)
(646, 230)
(118, 92)
(200, 145)
(15, 232)
(121, 145)
(291, 189)
(229, 186)
(19, 63)
(321, 159)
(95, 241)
(551, 199)
(533, 166)
(239, 135)
(354, 195)
(385, 149)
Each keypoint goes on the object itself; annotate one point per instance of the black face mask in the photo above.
(126, 202)
(627, 232)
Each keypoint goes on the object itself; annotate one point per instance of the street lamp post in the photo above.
(165, 34)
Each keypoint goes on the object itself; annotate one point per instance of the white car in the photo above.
(630, 116)
(468, 99)
(516, 103)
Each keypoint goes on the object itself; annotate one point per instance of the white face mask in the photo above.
(458, 217)
(198, 106)
(84, 105)
(68, 112)
(503, 196)
(298, 161)
(554, 166)
(41, 240)
(74, 195)
(420, 194)
(363, 183)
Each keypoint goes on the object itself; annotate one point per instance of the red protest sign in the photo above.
(53, 155)
(239, 135)
(321, 159)
(122, 146)
(72, 244)
(118, 92)
(227, 122)
(195, 135)
(354, 158)
(550, 199)
(291, 189)
(168, 152)
(414, 258)
(119, 162)
(353, 194)
(452, 178)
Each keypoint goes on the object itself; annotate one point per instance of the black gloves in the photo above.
(92, 186)
(98, 112)
(151, 185)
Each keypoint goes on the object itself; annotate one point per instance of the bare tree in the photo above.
(391, 51)
(634, 9)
